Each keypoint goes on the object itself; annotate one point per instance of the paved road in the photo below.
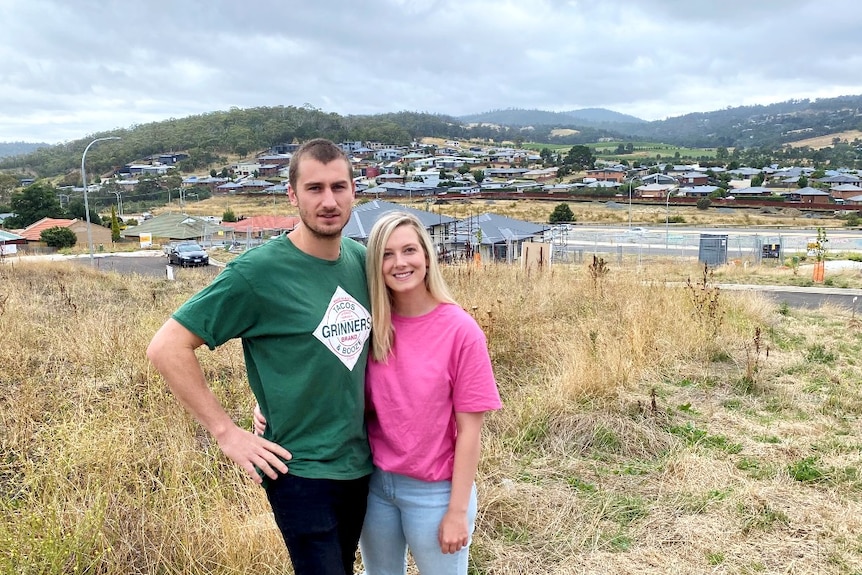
(805, 297)
(148, 265)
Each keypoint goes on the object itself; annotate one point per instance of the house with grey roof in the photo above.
(744, 172)
(365, 214)
(494, 237)
(806, 195)
(697, 191)
(175, 227)
(841, 179)
(659, 178)
(845, 191)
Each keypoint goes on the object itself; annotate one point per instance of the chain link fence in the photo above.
(572, 245)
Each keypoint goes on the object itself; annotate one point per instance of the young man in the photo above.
(300, 305)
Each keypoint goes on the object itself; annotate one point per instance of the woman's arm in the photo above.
(454, 532)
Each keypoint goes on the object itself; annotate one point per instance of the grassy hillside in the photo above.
(647, 428)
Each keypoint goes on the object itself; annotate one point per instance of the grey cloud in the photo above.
(97, 64)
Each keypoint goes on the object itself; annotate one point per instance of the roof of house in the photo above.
(840, 179)
(807, 191)
(698, 190)
(655, 187)
(745, 171)
(751, 190)
(9, 237)
(33, 232)
(257, 224)
(659, 179)
(495, 229)
(174, 227)
(364, 216)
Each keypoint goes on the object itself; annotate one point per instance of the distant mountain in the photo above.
(210, 137)
(769, 126)
(17, 148)
(601, 116)
(586, 117)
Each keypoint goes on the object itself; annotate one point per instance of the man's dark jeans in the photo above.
(320, 520)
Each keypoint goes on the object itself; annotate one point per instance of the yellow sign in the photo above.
(146, 240)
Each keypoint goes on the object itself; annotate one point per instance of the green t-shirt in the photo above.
(305, 325)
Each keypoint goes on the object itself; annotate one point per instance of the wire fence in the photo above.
(720, 247)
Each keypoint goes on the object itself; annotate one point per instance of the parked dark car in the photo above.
(188, 254)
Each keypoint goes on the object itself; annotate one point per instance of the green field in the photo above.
(608, 150)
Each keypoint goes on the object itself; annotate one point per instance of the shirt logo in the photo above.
(344, 328)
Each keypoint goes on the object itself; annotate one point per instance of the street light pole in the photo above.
(666, 221)
(86, 202)
(119, 202)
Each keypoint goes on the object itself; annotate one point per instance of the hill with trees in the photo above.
(211, 138)
(17, 148)
(771, 126)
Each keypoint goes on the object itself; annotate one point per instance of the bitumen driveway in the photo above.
(804, 297)
(145, 262)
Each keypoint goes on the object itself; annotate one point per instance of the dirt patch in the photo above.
(560, 132)
(826, 141)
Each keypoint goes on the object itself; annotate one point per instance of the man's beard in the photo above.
(317, 232)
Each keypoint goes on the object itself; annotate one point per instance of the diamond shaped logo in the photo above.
(344, 328)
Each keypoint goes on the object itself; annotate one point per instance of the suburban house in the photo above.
(659, 178)
(9, 243)
(541, 175)
(697, 191)
(364, 215)
(807, 195)
(505, 172)
(99, 234)
(752, 192)
(845, 191)
(175, 227)
(387, 154)
(841, 179)
(693, 179)
(613, 174)
(655, 190)
(494, 237)
(260, 227)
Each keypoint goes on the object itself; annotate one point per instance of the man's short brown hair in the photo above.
(320, 149)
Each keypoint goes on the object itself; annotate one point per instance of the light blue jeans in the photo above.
(405, 512)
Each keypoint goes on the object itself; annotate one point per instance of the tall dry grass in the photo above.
(610, 211)
(646, 429)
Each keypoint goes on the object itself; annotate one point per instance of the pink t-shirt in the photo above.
(439, 365)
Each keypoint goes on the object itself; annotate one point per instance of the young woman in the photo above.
(428, 385)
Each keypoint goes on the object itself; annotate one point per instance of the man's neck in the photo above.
(324, 248)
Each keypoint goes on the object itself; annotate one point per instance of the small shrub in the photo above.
(806, 471)
(58, 237)
(818, 353)
(561, 213)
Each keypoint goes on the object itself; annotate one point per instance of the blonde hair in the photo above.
(382, 332)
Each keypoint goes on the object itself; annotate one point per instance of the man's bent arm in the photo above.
(172, 352)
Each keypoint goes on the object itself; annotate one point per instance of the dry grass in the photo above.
(596, 212)
(826, 140)
(647, 428)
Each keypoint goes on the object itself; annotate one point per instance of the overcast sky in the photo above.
(70, 68)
